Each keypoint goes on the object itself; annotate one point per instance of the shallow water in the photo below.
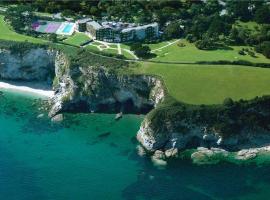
(91, 156)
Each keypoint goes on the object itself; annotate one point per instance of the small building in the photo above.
(81, 24)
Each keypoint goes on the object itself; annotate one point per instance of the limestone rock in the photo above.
(57, 118)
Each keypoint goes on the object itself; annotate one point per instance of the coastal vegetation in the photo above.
(228, 118)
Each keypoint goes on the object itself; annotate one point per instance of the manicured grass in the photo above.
(77, 39)
(127, 54)
(197, 84)
(125, 46)
(91, 47)
(7, 34)
(160, 44)
(113, 45)
(190, 53)
(112, 51)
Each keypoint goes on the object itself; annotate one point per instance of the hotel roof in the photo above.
(95, 24)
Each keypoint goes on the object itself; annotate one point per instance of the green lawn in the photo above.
(7, 34)
(91, 47)
(197, 84)
(77, 39)
(190, 53)
(127, 54)
(112, 51)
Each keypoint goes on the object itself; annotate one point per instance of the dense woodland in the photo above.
(210, 24)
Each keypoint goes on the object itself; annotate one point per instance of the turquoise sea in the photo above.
(93, 157)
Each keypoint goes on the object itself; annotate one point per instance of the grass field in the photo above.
(112, 51)
(197, 84)
(7, 34)
(190, 53)
(77, 39)
(91, 47)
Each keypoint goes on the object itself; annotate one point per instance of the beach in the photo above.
(31, 88)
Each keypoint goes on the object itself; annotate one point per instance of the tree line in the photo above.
(209, 24)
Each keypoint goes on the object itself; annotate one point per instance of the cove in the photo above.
(91, 156)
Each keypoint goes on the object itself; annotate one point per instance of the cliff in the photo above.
(98, 88)
(35, 63)
(231, 126)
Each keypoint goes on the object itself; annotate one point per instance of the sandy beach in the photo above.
(33, 88)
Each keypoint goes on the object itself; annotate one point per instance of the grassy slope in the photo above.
(190, 53)
(197, 84)
(7, 34)
(77, 39)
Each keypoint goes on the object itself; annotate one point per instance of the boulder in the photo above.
(57, 118)
(247, 154)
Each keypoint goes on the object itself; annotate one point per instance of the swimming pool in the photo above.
(67, 28)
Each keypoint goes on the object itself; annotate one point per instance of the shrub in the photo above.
(241, 52)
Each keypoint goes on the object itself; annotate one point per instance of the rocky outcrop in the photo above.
(97, 89)
(36, 64)
(184, 129)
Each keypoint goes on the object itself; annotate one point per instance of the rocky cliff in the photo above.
(240, 125)
(36, 64)
(98, 89)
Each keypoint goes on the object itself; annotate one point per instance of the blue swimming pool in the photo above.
(67, 28)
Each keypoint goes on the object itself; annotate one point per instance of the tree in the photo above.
(262, 15)
(140, 50)
(206, 43)
(20, 17)
(239, 9)
(228, 102)
(173, 30)
(264, 48)
(53, 37)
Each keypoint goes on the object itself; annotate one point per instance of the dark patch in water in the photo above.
(104, 135)
(134, 140)
(112, 144)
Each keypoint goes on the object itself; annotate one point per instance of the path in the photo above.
(119, 49)
(169, 44)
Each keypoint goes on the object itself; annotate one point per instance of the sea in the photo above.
(94, 157)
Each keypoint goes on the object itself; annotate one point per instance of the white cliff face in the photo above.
(34, 65)
(95, 89)
(167, 137)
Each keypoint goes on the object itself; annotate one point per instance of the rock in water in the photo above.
(247, 154)
(57, 118)
(159, 158)
(208, 156)
(118, 116)
(171, 153)
(40, 116)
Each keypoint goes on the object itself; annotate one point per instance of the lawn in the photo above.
(77, 39)
(91, 47)
(7, 34)
(127, 54)
(190, 53)
(112, 51)
(197, 84)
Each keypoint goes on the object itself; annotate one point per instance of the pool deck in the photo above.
(60, 28)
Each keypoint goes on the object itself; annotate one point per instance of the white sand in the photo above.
(26, 88)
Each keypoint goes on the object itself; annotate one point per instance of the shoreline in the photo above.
(31, 88)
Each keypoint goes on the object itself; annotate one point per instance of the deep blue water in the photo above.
(91, 156)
